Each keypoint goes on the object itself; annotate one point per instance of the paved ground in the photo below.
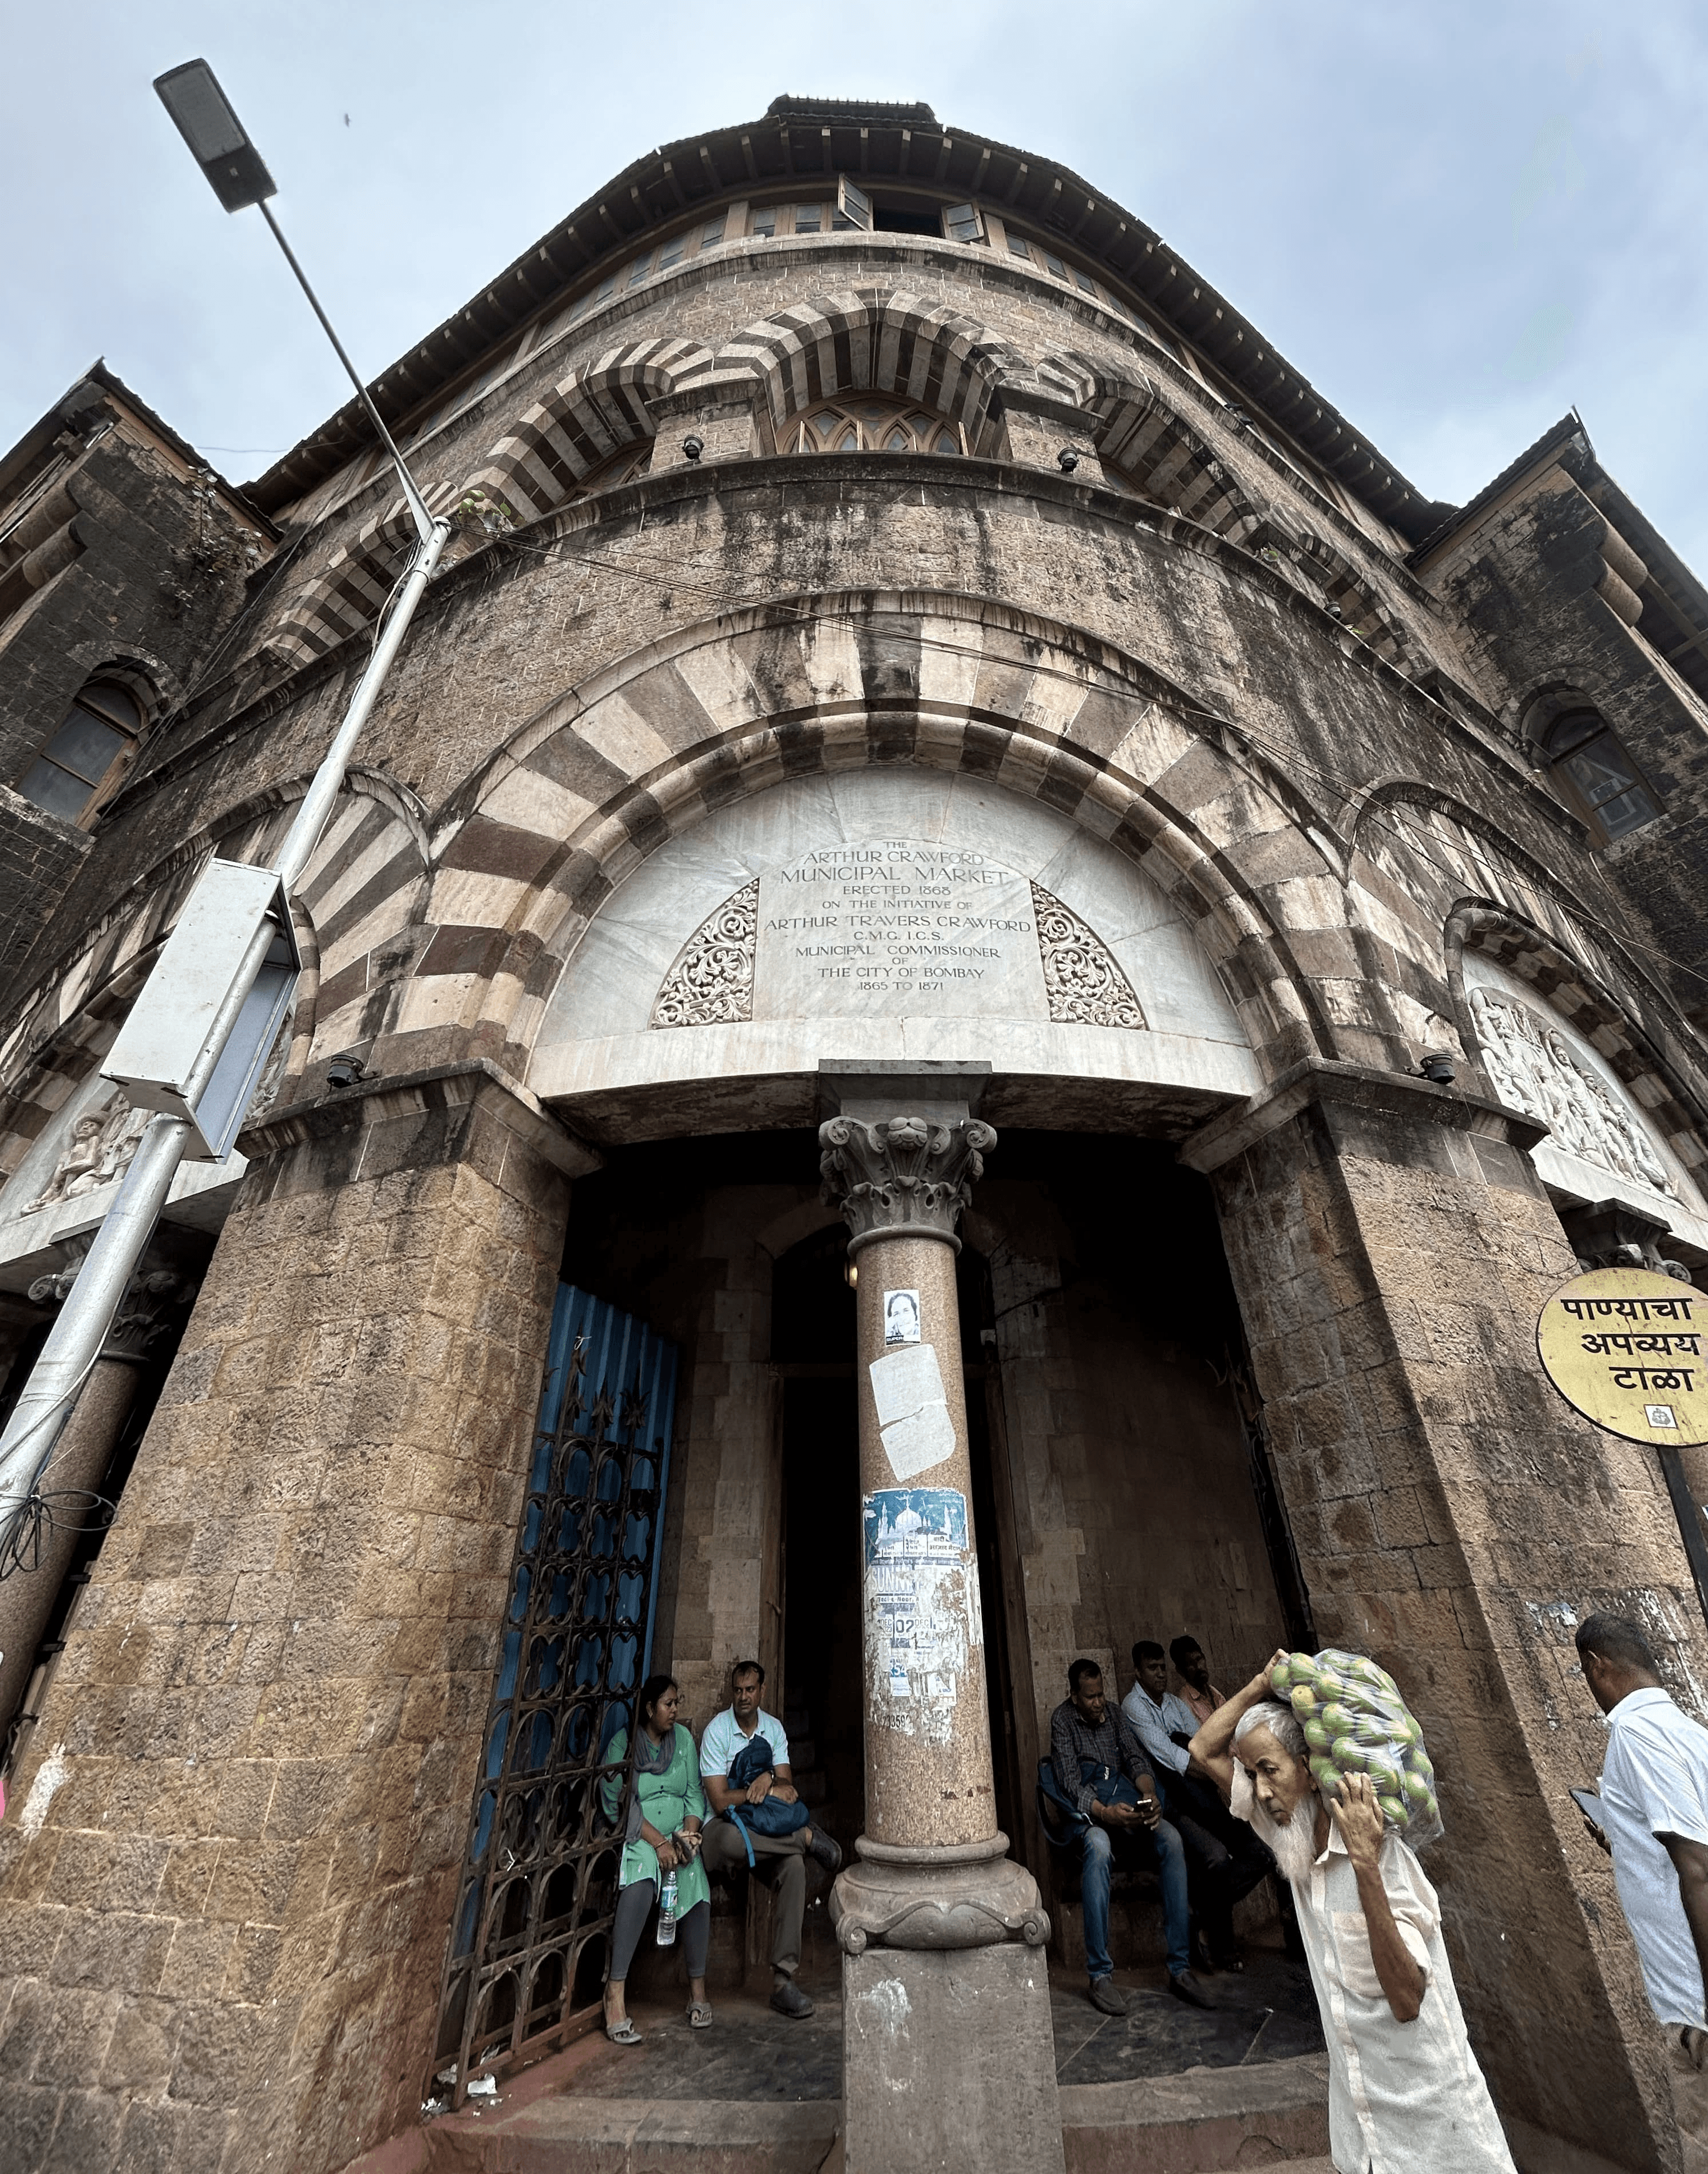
(1266, 2013)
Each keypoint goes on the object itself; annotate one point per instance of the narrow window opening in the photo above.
(96, 733)
(1597, 775)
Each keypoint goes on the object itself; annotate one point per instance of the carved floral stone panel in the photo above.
(711, 983)
(1084, 982)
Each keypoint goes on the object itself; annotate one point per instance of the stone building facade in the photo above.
(903, 627)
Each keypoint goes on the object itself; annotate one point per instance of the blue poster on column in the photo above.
(915, 1524)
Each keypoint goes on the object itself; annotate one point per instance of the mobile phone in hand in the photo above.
(1590, 1804)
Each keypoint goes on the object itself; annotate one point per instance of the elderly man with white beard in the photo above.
(1405, 2093)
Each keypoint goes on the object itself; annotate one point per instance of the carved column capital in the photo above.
(155, 1301)
(902, 1176)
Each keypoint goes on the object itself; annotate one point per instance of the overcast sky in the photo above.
(1460, 218)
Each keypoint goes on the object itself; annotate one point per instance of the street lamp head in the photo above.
(216, 137)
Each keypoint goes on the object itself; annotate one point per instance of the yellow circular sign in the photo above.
(1626, 1346)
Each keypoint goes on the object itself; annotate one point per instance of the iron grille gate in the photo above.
(539, 1880)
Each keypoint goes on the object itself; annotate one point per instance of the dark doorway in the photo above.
(813, 1349)
(824, 1704)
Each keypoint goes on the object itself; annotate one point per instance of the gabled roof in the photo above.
(817, 138)
(86, 393)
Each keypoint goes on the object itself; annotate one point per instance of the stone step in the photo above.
(1272, 2112)
(1207, 2119)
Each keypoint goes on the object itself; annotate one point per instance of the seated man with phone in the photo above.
(1102, 1768)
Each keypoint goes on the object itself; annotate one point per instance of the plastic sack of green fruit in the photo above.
(1356, 1722)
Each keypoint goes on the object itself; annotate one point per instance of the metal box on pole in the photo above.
(160, 1057)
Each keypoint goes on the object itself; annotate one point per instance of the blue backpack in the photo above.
(769, 1818)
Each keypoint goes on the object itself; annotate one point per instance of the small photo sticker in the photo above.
(900, 1318)
(1659, 1415)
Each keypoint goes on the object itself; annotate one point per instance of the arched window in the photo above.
(1595, 774)
(622, 466)
(868, 423)
(95, 737)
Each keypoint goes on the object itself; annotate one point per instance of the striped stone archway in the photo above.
(599, 779)
(870, 339)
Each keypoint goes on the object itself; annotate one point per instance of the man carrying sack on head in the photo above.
(1405, 2093)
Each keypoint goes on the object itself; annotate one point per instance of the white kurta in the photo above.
(1403, 2098)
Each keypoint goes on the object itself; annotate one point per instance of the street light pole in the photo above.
(182, 1094)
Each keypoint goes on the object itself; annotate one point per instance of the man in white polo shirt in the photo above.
(1654, 1812)
(779, 1860)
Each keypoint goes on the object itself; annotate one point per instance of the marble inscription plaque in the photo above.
(890, 927)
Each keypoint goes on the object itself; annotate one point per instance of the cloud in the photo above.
(1350, 177)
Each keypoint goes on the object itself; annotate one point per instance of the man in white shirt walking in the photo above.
(779, 1860)
(1654, 1813)
(1405, 2093)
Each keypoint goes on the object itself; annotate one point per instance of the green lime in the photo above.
(1392, 1809)
(1336, 1719)
(1315, 1735)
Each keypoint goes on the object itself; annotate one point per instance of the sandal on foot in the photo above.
(623, 2032)
(699, 2015)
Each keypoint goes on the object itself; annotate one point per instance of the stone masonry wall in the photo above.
(229, 1884)
(1391, 1249)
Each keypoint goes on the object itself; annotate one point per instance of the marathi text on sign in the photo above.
(1613, 1343)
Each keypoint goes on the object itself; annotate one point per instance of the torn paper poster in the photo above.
(912, 1415)
(920, 1596)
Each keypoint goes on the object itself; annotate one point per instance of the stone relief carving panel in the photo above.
(1532, 1067)
(99, 1153)
(1082, 979)
(711, 983)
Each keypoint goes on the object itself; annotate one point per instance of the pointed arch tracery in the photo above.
(871, 340)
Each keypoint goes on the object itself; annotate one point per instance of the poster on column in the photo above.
(921, 1596)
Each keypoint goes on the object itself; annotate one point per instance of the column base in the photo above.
(968, 1896)
(948, 2061)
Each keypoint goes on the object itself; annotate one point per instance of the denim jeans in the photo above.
(1162, 1849)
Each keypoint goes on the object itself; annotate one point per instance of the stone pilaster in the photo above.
(1392, 1247)
(226, 1896)
(941, 1931)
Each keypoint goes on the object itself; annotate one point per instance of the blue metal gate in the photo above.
(539, 1883)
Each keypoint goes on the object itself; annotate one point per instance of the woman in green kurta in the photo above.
(661, 1835)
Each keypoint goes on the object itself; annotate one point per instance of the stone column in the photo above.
(155, 1298)
(1392, 1247)
(947, 2051)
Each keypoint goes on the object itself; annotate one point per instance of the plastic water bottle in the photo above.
(667, 1911)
